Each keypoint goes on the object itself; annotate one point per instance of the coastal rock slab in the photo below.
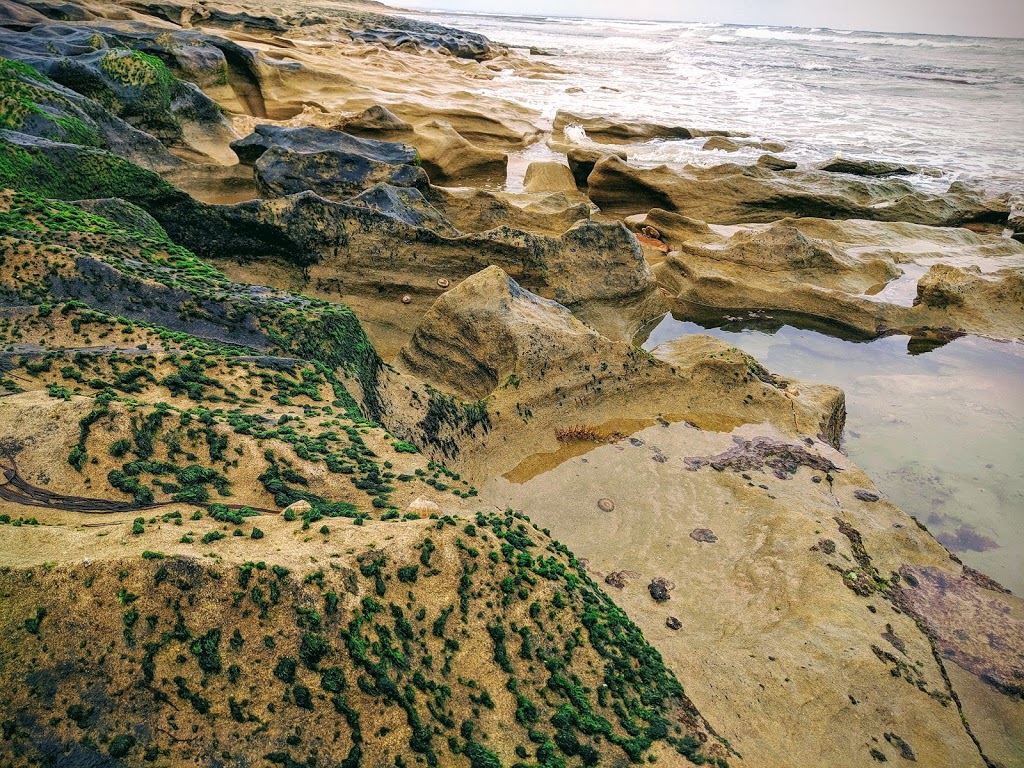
(607, 131)
(731, 194)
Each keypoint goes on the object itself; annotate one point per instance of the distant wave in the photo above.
(847, 38)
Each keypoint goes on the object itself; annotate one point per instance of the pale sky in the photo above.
(999, 18)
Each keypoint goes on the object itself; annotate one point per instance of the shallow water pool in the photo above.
(939, 429)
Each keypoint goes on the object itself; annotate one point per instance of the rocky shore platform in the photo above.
(320, 446)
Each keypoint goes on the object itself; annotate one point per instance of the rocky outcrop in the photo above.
(869, 167)
(607, 131)
(446, 155)
(376, 121)
(401, 34)
(731, 145)
(809, 595)
(773, 163)
(583, 159)
(731, 194)
(857, 274)
(549, 177)
(45, 109)
(310, 140)
(131, 85)
(531, 359)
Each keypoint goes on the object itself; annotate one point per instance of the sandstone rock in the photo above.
(967, 298)
(62, 115)
(401, 34)
(488, 339)
(447, 156)
(745, 608)
(867, 167)
(582, 161)
(14, 14)
(479, 210)
(140, 90)
(672, 227)
(124, 213)
(298, 507)
(730, 145)
(376, 120)
(731, 194)
(603, 130)
(773, 163)
(549, 177)
(842, 271)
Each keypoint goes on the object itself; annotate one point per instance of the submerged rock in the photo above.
(603, 130)
(730, 145)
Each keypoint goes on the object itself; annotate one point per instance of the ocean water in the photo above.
(951, 103)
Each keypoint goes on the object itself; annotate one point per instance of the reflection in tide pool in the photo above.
(940, 433)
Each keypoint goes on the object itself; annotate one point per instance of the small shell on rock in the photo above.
(442, 282)
(605, 505)
(407, 299)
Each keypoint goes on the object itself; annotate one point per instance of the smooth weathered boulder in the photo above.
(732, 194)
(549, 177)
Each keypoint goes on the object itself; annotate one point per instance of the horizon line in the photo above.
(520, 14)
